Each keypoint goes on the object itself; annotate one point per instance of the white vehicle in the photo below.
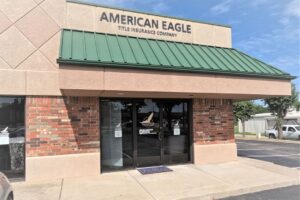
(6, 192)
(288, 132)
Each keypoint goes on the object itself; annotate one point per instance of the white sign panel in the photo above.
(4, 137)
(118, 133)
(4, 140)
(176, 131)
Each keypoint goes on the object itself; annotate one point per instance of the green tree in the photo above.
(260, 109)
(279, 107)
(297, 105)
(243, 111)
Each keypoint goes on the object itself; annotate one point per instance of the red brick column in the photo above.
(213, 121)
(61, 125)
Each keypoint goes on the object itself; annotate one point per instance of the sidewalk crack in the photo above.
(61, 188)
(142, 186)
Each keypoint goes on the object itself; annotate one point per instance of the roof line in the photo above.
(275, 68)
(147, 13)
(120, 65)
(283, 75)
(153, 39)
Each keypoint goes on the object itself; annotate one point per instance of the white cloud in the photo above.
(221, 8)
(234, 22)
(113, 2)
(293, 9)
(287, 62)
(271, 42)
(285, 21)
(160, 7)
(157, 6)
(259, 2)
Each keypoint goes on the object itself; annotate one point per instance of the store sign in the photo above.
(142, 25)
(147, 132)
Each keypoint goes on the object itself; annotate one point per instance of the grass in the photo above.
(236, 131)
(247, 133)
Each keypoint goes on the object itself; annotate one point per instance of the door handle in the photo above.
(160, 135)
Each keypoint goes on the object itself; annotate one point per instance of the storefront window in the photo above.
(176, 132)
(148, 133)
(143, 132)
(116, 135)
(12, 136)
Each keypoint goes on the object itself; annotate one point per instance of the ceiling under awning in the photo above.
(99, 49)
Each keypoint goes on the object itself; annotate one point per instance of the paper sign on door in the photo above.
(4, 137)
(176, 131)
(118, 131)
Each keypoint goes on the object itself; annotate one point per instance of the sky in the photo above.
(266, 29)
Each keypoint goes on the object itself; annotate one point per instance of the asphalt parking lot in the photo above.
(290, 193)
(281, 153)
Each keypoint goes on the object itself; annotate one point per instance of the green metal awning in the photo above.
(89, 48)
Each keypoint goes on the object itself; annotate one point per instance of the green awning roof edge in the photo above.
(120, 66)
(244, 65)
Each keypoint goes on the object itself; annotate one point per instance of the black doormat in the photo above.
(153, 170)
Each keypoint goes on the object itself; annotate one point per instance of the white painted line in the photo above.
(265, 156)
(252, 149)
(296, 168)
(247, 143)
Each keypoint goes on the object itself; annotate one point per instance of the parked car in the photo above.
(6, 192)
(288, 132)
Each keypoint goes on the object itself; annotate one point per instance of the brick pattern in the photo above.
(61, 125)
(213, 121)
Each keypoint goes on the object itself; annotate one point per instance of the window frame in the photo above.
(23, 177)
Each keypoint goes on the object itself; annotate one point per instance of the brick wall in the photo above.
(61, 125)
(213, 121)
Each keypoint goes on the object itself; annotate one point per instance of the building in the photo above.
(259, 123)
(87, 89)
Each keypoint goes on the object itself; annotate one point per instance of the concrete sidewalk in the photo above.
(185, 182)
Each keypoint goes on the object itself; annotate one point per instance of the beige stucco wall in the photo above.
(30, 38)
(63, 166)
(29, 47)
(214, 153)
(88, 18)
(97, 81)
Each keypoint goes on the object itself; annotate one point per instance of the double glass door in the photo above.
(143, 132)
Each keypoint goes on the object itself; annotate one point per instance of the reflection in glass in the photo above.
(116, 134)
(12, 136)
(175, 130)
(148, 141)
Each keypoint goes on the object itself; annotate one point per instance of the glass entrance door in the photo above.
(143, 132)
(175, 131)
(148, 133)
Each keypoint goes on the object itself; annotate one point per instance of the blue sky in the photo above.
(266, 29)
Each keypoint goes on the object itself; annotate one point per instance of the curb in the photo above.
(294, 179)
(254, 189)
(269, 140)
(242, 191)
